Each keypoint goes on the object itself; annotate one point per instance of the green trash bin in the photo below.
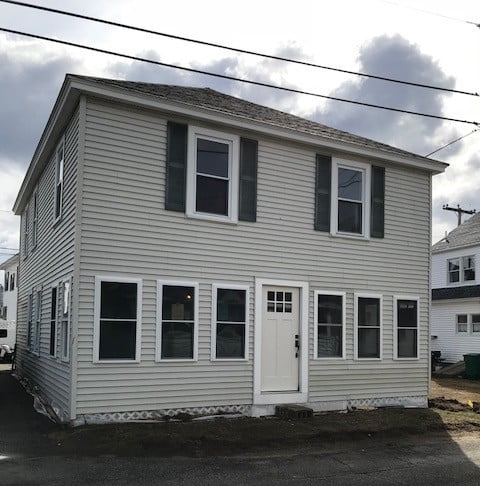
(472, 366)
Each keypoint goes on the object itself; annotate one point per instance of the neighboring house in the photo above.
(185, 250)
(456, 292)
(10, 286)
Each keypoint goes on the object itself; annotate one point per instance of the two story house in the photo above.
(188, 251)
(10, 273)
(456, 292)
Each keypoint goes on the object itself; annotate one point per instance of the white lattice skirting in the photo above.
(410, 402)
(195, 413)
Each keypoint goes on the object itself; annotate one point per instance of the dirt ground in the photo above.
(459, 389)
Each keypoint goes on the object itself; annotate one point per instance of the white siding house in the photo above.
(456, 292)
(8, 306)
(214, 255)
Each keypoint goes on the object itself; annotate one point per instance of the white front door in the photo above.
(280, 338)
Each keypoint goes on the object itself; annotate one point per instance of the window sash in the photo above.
(101, 329)
(160, 344)
(318, 347)
(364, 330)
(59, 176)
(461, 269)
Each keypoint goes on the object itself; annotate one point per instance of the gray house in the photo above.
(185, 250)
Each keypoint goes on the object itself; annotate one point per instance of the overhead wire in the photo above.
(234, 78)
(452, 142)
(233, 49)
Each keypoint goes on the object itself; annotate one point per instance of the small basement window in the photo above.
(118, 322)
(3, 333)
(462, 323)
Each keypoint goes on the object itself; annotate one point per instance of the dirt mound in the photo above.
(452, 405)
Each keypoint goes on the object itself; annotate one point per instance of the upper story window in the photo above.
(6, 281)
(26, 234)
(59, 172)
(212, 178)
(461, 269)
(12, 281)
(34, 219)
(350, 209)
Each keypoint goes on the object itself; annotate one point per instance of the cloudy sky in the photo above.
(405, 39)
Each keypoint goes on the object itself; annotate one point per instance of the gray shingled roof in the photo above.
(467, 234)
(214, 100)
(464, 292)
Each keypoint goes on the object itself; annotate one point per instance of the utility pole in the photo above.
(459, 211)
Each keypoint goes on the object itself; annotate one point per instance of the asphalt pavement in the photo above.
(29, 456)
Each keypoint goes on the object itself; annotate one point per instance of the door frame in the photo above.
(271, 398)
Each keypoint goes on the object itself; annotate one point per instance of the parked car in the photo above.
(7, 340)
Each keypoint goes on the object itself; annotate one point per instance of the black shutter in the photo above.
(377, 222)
(247, 208)
(175, 176)
(323, 184)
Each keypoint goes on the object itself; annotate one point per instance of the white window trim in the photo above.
(96, 319)
(213, 348)
(396, 298)
(37, 321)
(461, 280)
(315, 322)
(35, 219)
(158, 347)
(53, 356)
(356, 296)
(26, 233)
(366, 169)
(234, 154)
(65, 358)
(466, 333)
(56, 218)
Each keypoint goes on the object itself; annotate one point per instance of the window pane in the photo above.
(53, 304)
(350, 184)
(117, 340)
(453, 265)
(118, 300)
(212, 158)
(271, 295)
(462, 327)
(3, 333)
(53, 332)
(462, 318)
(468, 262)
(212, 195)
(288, 307)
(368, 311)
(230, 340)
(476, 318)
(369, 343)
(407, 343)
(454, 277)
(271, 307)
(178, 303)
(329, 341)
(476, 327)
(330, 309)
(349, 217)
(288, 296)
(177, 340)
(469, 274)
(231, 305)
(65, 298)
(279, 307)
(407, 313)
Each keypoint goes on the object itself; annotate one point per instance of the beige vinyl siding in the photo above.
(44, 266)
(127, 232)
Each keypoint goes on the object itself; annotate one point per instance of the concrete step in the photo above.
(293, 411)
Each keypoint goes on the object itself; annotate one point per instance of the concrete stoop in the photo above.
(293, 412)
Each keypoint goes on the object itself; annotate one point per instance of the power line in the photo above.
(240, 80)
(234, 49)
(431, 13)
(452, 142)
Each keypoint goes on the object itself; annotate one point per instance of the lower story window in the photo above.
(330, 322)
(65, 293)
(475, 323)
(118, 322)
(462, 323)
(369, 312)
(176, 334)
(407, 327)
(53, 322)
(229, 313)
